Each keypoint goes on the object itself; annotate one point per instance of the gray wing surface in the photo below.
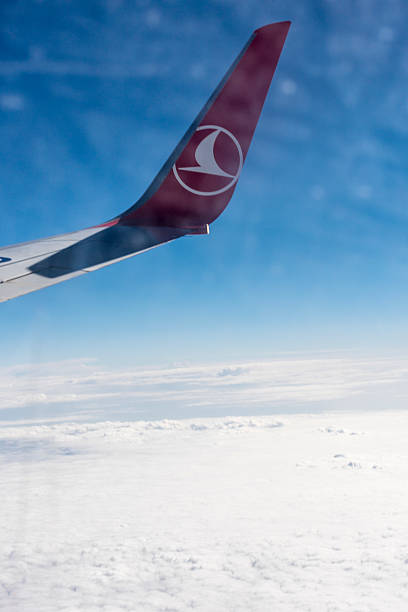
(34, 265)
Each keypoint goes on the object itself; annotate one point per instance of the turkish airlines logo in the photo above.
(218, 157)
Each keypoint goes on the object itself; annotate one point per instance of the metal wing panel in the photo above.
(35, 265)
(15, 260)
(28, 283)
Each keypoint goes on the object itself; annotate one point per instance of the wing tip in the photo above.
(283, 26)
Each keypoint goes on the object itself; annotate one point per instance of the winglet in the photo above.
(197, 181)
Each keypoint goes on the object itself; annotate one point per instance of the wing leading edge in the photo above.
(190, 191)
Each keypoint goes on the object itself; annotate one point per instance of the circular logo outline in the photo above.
(236, 177)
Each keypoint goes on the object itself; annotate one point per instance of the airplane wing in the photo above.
(190, 191)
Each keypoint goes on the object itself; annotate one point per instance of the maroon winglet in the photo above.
(199, 178)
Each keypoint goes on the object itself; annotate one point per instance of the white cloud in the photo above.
(364, 192)
(222, 388)
(153, 18)
(42, 65)
(386, 34)
(12, 101)
(293, 514)
(231, 371)
(288, 87)
(318, 192)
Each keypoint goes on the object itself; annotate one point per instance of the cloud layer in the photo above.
(291, 514)
(298, 383)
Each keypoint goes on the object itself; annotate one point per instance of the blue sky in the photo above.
(311, 253)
